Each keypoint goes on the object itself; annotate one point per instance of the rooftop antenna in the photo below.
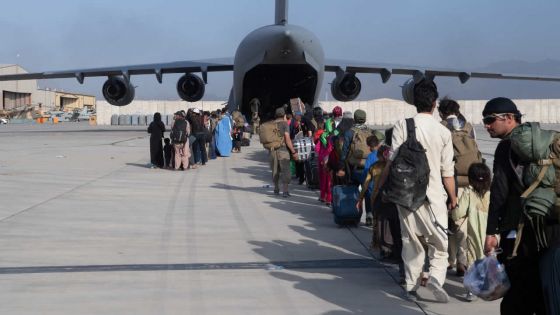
(281, 13)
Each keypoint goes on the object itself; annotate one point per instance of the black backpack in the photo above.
(409, 173)
(179, 132)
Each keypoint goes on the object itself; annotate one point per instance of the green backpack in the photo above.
(538, 149)
(359, 150)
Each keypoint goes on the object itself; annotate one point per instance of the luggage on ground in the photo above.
(311, 167)
(344, 199)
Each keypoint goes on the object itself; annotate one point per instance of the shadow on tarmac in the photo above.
(353, 290)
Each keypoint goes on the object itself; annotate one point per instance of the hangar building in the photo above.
(14, 94)
(18, 94)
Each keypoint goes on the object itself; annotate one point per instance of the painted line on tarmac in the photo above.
(385, 267)
(270, 266)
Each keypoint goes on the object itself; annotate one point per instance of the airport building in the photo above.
(16, 94)
(65, 101)
(20, 94)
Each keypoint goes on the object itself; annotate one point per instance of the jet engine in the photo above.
(408, 91)
(408, 87)
(190, 87)
(118, 91)
(346, 87)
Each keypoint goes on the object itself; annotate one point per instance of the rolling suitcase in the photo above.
(312, 171)
(344, 200)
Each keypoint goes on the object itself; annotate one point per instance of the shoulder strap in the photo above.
(282, 136)
(468, 128)
(545, 164)
(410, 132)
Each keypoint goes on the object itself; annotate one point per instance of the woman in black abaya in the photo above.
(156, 130)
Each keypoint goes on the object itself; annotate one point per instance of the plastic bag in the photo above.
(487, 278)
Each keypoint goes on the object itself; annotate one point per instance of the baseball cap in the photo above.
(360, 116)
(280, 111)
(337, 111)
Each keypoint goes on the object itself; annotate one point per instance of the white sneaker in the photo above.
(470, 296)
(437, 290)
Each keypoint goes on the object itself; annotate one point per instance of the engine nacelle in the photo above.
(346, 87)
(408, 91)
(190, 87)
(118, 91)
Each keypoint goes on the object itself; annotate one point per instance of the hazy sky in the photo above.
(69, 34)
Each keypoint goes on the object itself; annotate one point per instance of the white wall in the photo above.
(379, 112)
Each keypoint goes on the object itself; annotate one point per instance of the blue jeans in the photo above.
(199, 148)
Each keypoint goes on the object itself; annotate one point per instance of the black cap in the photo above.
(500, 105)
(280, 112)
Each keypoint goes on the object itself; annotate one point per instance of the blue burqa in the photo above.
(223, 136)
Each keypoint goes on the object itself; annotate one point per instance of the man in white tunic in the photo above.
(427, 226)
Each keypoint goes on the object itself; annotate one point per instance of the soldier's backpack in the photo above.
(270, 135)
(179, 132)
(238, 119)
(539, 151)
(465, 152)
(359, 150)
(409, 173)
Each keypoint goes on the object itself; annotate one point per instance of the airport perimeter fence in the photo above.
(380, 112)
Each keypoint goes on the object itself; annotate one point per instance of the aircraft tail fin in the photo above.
(281, 13)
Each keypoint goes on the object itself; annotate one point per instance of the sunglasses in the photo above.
(490, 119)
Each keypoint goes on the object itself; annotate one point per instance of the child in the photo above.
(472, 208)
(237, 136)
(374, 144)
(168, 152)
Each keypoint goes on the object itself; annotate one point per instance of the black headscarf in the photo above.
(157, 117)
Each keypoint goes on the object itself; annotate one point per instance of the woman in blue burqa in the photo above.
(156, 130)
(223, 135)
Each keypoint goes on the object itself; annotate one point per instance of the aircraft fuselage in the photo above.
(275, 63)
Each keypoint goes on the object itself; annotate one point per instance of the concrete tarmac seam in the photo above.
(278, 290)
(6, 218)
(385, 268)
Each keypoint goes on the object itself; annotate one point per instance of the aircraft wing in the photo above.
(386, 70)
(157, 69)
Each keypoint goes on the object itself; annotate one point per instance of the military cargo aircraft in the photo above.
(272, 64)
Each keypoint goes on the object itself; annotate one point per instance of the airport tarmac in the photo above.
(87, 228)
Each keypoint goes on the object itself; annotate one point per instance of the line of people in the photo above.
(465, 213)
(194, 138)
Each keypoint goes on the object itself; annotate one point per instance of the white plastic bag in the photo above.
(487, 278)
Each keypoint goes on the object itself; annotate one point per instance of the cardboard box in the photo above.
(297, 105)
